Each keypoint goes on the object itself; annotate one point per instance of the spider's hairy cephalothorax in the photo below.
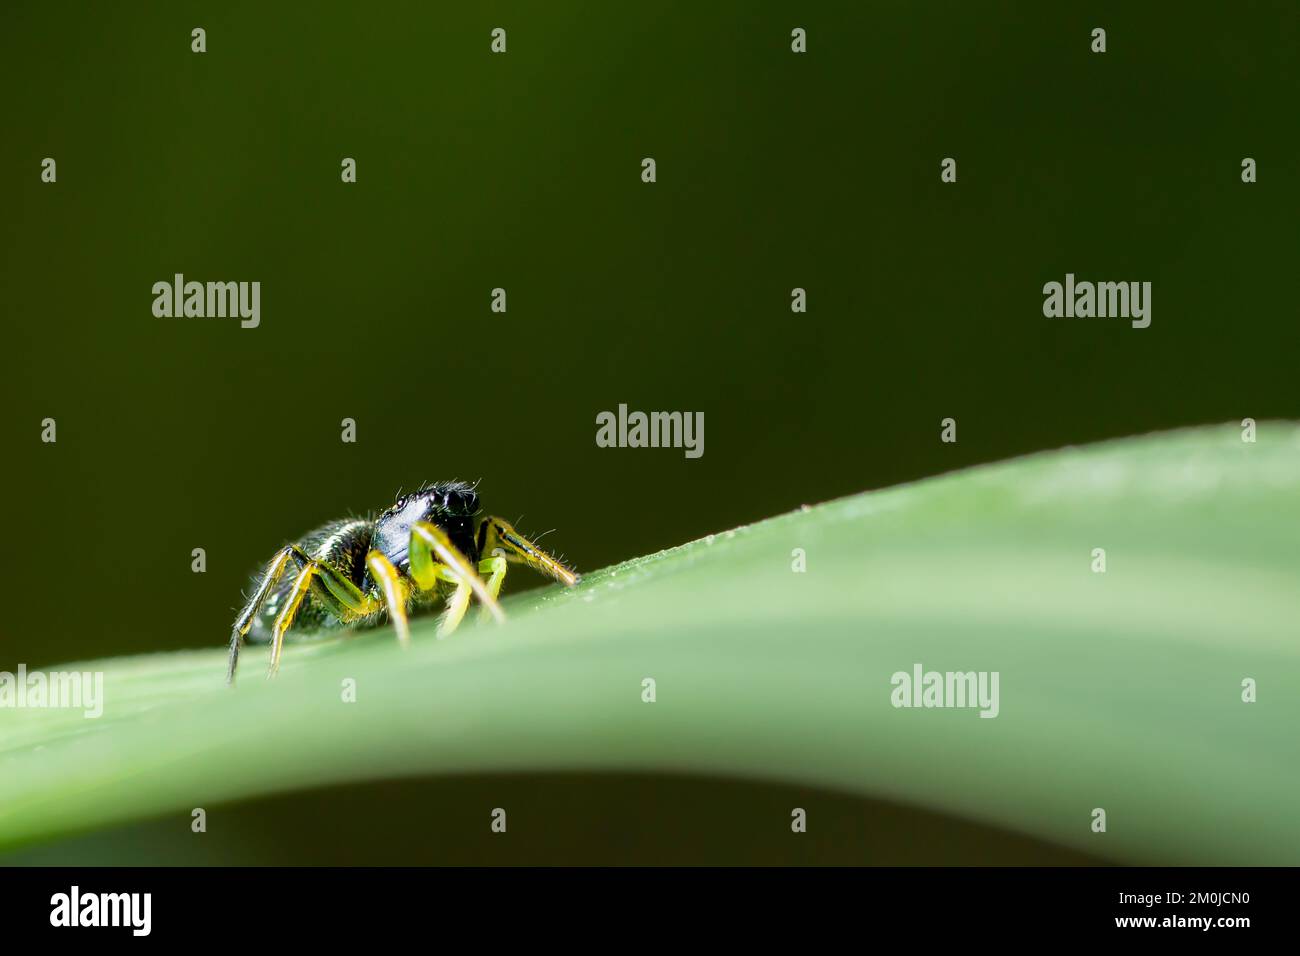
(429, 546)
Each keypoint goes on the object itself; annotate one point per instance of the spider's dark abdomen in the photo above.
(341, 544)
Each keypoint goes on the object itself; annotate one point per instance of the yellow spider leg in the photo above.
(495, 569)
(344, 599)
(395, 593)
(301, 585)
(456, 604)
(495, 533)
(347, 601)
(428, 540)
(245, 620)
(332, 587)
(329, 585)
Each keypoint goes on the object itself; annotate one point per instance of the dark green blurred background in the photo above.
(522, 171)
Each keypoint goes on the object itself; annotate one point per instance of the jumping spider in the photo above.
(423, 549)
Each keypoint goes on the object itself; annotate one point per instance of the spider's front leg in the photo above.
(498, 539)
(428, 542)
(498, 536)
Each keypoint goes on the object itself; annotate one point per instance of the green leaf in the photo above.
(1119, 690)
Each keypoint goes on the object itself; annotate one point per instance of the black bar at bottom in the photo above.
(331, 906)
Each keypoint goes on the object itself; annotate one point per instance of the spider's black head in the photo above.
(451, 505)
